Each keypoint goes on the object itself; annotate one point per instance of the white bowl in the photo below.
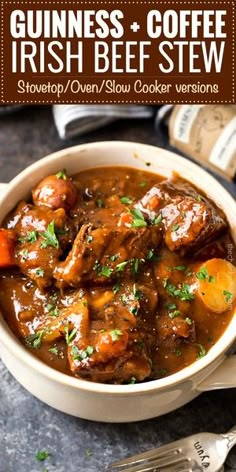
(118, 403)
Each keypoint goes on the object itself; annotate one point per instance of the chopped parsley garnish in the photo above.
(134, 310)
(142, 184)
(49, 306)
(88, 452)
(76, 353)
(183, 215)
(201, 352)
(105, 271)
(188, 321)
(137, 294)
(49, 236)
(180, 268)
(174, 314)
(52, 310)
(115, 334)
(183, 293)
(89, 350)
(114, 257)
(81, 355)
(158, 219)
(54, 350)
(138, 219)
(24, 254)
(69, 335)
(61, 175)
(140, 344)
(178, 352)
(30, 237)
(199, 198)
(150, 255)
(124, 299)
(100, 203)
(132, 380)
(116, 288)
(39, 272)
(228, 296)
(126, 200)
(137, 223)
(89, 239)
(163, 372)
(120, 267)
(34, 340)
(175, 227)
(202, 274)
(135, 265)
(171, 306)
(42, 455)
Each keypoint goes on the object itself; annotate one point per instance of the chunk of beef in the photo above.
(174, 330)
(188, 220)
(35, 259)
(73, 322)
(96, 254)
(106, 340)
(122, 349)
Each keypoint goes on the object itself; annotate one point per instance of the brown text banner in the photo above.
(117, 52)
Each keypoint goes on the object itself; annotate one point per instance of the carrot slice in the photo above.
(153, 203)
(125, 220)
(7, 248)
(216, 281)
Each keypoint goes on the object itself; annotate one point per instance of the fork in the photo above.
(203, 452)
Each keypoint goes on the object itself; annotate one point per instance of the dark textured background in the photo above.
(26, 424)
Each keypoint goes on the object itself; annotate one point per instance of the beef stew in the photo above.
(117, 275)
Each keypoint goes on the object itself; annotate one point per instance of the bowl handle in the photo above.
(224, 376)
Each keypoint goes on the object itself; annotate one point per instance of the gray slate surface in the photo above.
(26, 424)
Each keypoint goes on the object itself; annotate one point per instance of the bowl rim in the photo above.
(12, 344)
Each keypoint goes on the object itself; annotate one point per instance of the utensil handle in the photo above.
(224, 376)
(230, 436)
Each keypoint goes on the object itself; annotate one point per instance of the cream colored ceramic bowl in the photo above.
(118, 403)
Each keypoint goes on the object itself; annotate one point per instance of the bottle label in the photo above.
(224, 150)
(184, 121)
(207, 133)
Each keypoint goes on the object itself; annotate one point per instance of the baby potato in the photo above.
(101, 299)
(55, 192)
(216, 284)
